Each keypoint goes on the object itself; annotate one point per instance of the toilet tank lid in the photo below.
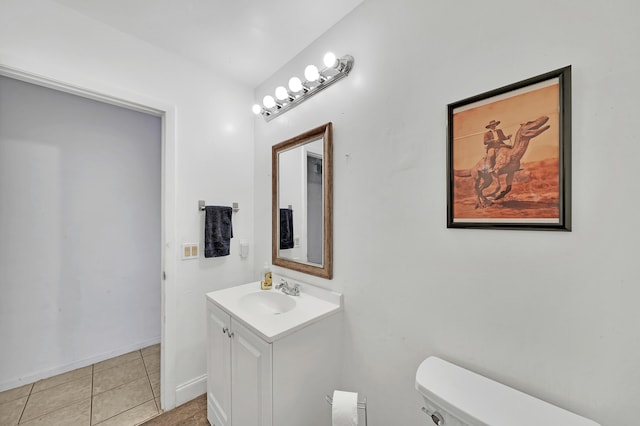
(479, 400)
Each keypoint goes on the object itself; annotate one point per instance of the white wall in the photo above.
(80, 225)
(552, 314)
(211, 127)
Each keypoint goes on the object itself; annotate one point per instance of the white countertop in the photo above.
(312, 305)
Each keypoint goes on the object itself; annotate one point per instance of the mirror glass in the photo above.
(301, 216)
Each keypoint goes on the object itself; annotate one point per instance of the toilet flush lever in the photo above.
(435, 417)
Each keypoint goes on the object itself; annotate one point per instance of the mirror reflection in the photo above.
(301, 202)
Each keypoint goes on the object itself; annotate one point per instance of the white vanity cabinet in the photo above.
(238, 373)
(271, 370)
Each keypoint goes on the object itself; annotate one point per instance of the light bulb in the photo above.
(329, 60)
(268, 101)
(281, 93)
(311, 73)
(256, 109)
(295, 84)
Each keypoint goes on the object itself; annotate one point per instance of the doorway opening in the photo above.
(52, 211)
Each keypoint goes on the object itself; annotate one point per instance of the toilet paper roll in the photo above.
(344, 411)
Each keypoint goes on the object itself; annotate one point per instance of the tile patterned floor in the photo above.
(121, 391)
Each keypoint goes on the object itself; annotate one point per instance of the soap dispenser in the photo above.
(267, 281)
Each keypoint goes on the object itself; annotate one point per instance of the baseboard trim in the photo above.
(49, 372)
(191, 389)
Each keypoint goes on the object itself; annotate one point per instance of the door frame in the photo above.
(166, 276)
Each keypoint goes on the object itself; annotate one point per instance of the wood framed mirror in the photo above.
(302, 202)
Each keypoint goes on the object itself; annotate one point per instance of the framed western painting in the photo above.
(509, 156)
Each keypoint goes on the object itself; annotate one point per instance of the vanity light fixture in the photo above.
(299, 91)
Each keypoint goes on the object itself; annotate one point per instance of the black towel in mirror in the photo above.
(286, 229)
(217, 231)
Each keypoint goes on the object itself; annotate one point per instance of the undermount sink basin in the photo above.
(267, 302)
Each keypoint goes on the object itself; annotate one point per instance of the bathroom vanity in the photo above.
(271, 357)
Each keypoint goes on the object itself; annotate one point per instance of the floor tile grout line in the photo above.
(50, 411)
(125, 383)
(119, 363)
(24, 407)
(151, 386)
(149, 380)
(31, 393)
(121, 385)
(91, 399)
(59, 384)
(122, 412)
(129, 409)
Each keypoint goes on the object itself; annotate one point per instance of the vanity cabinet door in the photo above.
(218, 366)
(251, 378)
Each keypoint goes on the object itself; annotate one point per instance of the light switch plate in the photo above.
(189, 251)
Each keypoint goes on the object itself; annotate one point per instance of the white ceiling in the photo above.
(246, 39)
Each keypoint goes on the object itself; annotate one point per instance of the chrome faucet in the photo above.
(293, 290)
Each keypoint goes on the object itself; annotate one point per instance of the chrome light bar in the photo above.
(298, 91)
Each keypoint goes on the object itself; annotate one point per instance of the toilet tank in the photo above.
(455, 396)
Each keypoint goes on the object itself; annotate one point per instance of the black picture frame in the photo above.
(518, 182)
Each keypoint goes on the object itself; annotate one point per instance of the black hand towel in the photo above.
(217, 231)
(286, 228)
